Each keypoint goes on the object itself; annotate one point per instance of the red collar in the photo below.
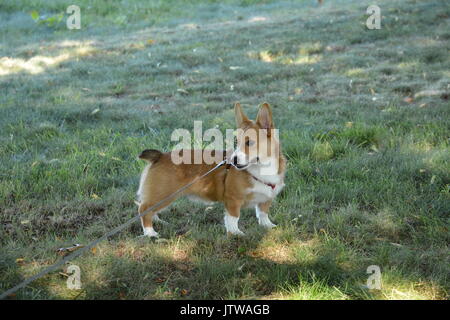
(267, 184)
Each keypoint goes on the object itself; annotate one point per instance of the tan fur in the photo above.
(227, 185)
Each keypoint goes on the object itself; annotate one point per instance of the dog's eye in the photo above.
(249, 143)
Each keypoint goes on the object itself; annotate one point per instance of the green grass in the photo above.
(368, 181)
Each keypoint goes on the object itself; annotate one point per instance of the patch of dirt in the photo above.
(40, 219)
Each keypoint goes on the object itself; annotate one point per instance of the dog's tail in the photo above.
(150, 155)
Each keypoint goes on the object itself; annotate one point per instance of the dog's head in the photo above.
(257, 141)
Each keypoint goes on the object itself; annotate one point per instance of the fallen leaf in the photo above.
(20, 261)
(396, 244)
(183, 91)
(184, 292)
(335, 48)
(298, 90)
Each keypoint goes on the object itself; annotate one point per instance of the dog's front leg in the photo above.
(232, 213)
(262, 210)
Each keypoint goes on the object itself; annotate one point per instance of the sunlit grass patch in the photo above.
(322, 151)
(357, 134)
(34, 65)
(287, 59)
(310, 288)
(358, 72)
(397, 286)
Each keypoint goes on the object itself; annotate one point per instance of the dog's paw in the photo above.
(268, 225)
(238, 233)
(231, 225)
(265, 222)
(150, 232)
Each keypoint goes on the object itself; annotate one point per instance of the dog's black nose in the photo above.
(234, 160)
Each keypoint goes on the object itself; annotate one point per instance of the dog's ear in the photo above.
(264, 117)
(239, 114)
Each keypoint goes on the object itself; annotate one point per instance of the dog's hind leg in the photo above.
(147, 219)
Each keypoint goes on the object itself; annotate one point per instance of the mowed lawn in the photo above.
(363, 117)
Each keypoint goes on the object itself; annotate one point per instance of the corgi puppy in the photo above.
(253, 178)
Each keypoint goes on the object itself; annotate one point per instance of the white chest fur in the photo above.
(262, 192)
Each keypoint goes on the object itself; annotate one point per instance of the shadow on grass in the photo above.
(36, 290)
(231, 268)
